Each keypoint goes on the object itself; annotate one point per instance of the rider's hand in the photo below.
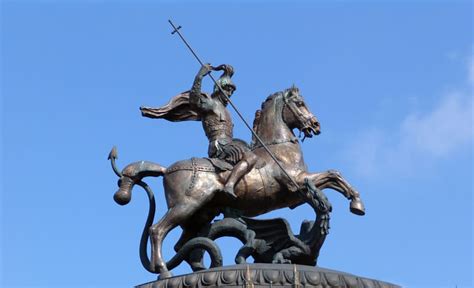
(205, 69)
(228, 69)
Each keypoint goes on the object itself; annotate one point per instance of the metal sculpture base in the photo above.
(267, 275)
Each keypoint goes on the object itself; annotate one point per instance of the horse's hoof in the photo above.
(357, 207)
(281, 261)
(164, 275)
(240, 260)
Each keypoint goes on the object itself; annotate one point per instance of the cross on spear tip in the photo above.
(176, 31)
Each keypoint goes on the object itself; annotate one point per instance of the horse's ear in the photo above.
(294, 88)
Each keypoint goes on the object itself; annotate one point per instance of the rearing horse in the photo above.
(191, 186)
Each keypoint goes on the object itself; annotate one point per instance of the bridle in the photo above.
(276, 142)
(296, 112)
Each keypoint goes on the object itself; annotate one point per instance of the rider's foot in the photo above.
(229, 191)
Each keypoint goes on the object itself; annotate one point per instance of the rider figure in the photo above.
(218, 126)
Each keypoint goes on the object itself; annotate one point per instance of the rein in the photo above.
(293, 139)
(275, 142)
(296, 112)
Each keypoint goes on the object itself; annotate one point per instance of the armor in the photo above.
(216, 121)
(217, 126)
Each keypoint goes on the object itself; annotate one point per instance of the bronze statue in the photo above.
(268, 174)
(192, 187)
(216, 120)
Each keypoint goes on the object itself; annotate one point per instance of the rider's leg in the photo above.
(240, 169)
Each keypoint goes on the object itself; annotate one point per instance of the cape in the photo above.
(177, 109)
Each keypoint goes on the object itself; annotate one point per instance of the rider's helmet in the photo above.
(225, 80)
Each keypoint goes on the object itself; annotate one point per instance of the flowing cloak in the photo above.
(177, 109)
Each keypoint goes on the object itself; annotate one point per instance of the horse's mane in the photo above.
(274, 103)
(265, 104)
(258, 119)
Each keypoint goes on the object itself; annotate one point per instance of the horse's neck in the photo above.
(274, 132)
(272, 128)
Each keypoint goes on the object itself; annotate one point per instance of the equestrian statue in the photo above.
(237, 179)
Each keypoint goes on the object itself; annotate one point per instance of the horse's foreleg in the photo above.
(330, 179)
(334, 180)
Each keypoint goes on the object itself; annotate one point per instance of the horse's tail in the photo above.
(133, 174)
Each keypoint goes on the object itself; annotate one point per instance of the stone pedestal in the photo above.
(267, 275)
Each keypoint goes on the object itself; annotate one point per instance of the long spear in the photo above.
(176, 30)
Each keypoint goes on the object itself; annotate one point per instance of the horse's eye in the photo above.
(299, 103)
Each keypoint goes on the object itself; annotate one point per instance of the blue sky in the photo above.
(391, 83)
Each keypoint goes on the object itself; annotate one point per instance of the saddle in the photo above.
(221, 165)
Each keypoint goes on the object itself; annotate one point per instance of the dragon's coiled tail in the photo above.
(133, 174)
(145, 234)
(197, 243)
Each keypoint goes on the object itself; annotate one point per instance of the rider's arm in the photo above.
(196, 96)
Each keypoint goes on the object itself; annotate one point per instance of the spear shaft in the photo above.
(176, 30)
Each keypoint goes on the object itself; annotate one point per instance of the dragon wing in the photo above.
(276, 232)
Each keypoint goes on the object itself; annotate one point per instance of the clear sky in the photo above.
(391, 83)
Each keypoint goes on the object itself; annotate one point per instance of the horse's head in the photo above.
(297, 115)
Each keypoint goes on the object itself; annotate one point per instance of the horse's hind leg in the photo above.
(334, 180)
(158, 232)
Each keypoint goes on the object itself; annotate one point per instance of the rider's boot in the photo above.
(239, 170)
